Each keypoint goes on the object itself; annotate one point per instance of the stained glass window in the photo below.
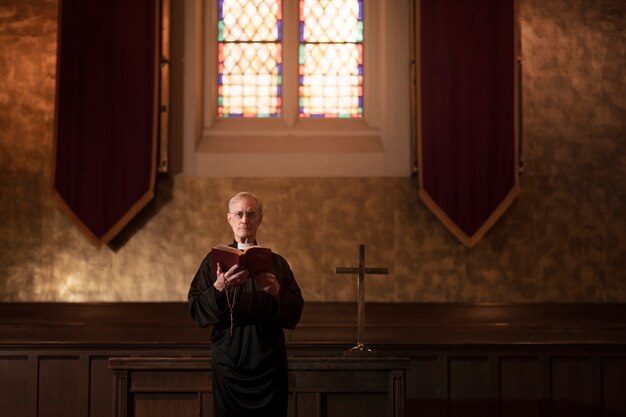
(331, 58)
(249, 58)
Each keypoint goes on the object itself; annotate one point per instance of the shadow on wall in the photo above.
(162, 195)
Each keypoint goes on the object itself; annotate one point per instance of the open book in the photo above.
(255, 259)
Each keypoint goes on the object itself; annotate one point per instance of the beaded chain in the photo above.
(231, 306)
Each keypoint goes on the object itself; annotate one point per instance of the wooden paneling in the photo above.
(427, 389)
(502, 360)
(425, 379)
(307, 404)
(520, 378)
(207, 404)
(166, 405)
(520, 387)
(614, 383)
(316, 380)
(571, 386)
(60, 389)
(469, 385)
(172, 381)
(101, 382)
(15, 386)
(469, 378)
(362, 405)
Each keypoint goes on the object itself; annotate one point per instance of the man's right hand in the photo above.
(230, 278)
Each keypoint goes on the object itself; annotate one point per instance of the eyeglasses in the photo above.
(249, 214)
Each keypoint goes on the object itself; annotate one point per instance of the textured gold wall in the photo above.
(564, 239)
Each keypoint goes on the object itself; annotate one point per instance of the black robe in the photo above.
(249, 368)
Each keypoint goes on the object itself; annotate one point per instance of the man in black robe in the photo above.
(248, 314)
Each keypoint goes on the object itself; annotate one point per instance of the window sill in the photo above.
(308, 136)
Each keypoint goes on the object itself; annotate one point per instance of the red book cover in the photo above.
(256, 259)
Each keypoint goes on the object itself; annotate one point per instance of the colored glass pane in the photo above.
(249, 58)
(331, 58)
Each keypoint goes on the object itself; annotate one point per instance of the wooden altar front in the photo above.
(318, 386)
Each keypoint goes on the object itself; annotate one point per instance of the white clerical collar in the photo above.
(242, 246)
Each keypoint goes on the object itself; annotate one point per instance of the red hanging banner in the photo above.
(106, 113)
(467, 112)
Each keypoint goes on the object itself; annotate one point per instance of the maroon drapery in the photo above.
(467, 140)
(105, 147)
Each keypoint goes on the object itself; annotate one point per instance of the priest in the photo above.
(248, 315)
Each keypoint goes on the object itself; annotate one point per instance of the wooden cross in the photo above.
(361, 270)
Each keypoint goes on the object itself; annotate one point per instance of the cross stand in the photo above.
(360, 349)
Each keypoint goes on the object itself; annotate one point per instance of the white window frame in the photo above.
(377, 144)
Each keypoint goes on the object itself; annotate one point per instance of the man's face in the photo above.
(245, 218)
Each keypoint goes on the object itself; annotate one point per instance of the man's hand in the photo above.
(268, 283)
(230, 278)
